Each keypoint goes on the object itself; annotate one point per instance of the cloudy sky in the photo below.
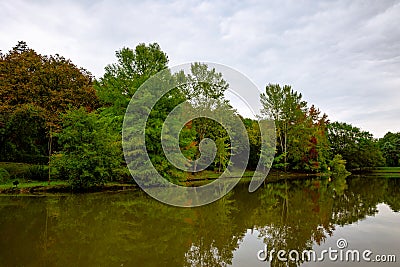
(344, 56)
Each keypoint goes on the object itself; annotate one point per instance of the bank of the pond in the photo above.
(59, 187)
(36, 187)
(205, 177)
(386, 171)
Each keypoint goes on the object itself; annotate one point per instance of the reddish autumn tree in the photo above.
(34, 86)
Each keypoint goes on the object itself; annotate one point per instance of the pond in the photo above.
(131, 229)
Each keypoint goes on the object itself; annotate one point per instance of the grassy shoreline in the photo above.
(56, 186)
(59, 187)
(26, 186)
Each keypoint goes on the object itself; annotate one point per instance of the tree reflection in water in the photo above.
(131, 229)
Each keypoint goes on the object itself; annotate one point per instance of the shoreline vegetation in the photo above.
(61, 125)
(28, 187)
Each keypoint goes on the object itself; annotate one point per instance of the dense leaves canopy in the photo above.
(48, 104)
(35, 91)
(357, 147)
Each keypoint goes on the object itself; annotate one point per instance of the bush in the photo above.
(4, 176)
(33, 159)
(90, 150)
(16, 170)
(38, 173)
(338, 165)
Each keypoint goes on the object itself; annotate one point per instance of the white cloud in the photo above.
(342, 55)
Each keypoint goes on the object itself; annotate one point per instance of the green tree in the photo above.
(4, 176)
(390, 147)
(121, 79)
(223, 153)
(357, 147)
(153, 124)
(302, 142)
(284, 106)
(338, 165)
(24, 135)
(204, 89)
(90, 152)
(253, 131)
(116, 88)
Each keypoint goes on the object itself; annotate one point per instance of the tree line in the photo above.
(54, 113)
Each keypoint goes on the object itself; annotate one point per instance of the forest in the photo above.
(64, 124)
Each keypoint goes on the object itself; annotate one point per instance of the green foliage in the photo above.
(37, 91)
(279, 163)
(90, 151)
(357, 147)
(16, 170)
(254, 134)
(338, 165)
(301, 133)
(199, 89)
(153, 130)
(116, 88)
(223, 153)
(187, 141)
(38, 173)
(24, 135)
(4, 176)
(122, 79)
(390, 147)
(204, 89)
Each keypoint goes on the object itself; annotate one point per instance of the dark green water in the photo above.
(131, 229)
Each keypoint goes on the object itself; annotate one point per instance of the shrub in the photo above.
(4, 176)
(338, 165)
(16, 170)
(38, 173)
(90, 151)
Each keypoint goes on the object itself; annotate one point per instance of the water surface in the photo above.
(131, 229)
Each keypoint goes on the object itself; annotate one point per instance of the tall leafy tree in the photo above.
(357, 147)
(121, 79)
(52, 83)
(301, 131)
(254, 134)
(204, 88)
(285, 107)
(116, 88)
(23, 135)
(317, 143)
(390, 147)
(43, 86)
(90, 150)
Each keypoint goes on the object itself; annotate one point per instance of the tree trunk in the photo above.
(49, 146)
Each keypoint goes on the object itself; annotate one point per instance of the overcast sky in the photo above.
(343, 56)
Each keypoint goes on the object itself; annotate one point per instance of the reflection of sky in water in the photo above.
(379, 233)
(130, 228)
